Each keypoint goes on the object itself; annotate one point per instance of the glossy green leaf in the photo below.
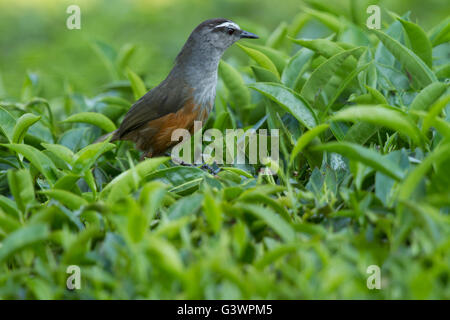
(22, 238)
(235, 84)
(94, 118)
(305, 139)
(440, 33)
(212, 211)
(21, 187)
(7, 123)
(324, 47)
(412, 63)
(322, 75)
(60, 151)
(289, 101)
(420, 44)
(22, 125)
(125, 182)
(439, 155)
(366, 156)
(69, 199)
(278, 224)
(264, 75)
(278, 35)
(279, 58)
(37, 159)
(137, 85)
(261, 59)
(428, 96)
(434, 111)
(294, 68)
(86, 157)
(381, 116)
(326, 18)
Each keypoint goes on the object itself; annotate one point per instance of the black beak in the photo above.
(249, 35)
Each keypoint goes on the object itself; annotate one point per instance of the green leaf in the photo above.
(420, 44)
(264, 75)
(434, 111)
(37, 159)
(438, 155)
(305, 139)
(295, 66)
(185, 206)
(367, 77)
(278, 58)
(322, 75)
(107, 55)
(21, 187)
(78, 246)
(235, 84)
(124, 56)
(94, 118)
(428, 96)
(125, 104)
(261, 59)
(289, 100)
(377, 95)
(273, 255)
(254, 196)
(213, 211)
(278, 35)
(440, 33)
(366, 156)
(360, 132)
(69, 199)
(412, 63)
(22, 125)
(87, 156)
(443, 71)
(8, 224)
(7, 123)
(166, 255)
(129, 180)
(345, 82)
(60, 151)
(137, 85)
(238, 171)
(326, 18)
(68, 182)
(22, 238)
(278, 224)
(298, 23)
(151, 198)
(324, 47)
(382, 116)
(9, 207)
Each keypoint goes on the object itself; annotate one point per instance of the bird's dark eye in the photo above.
(230, 31)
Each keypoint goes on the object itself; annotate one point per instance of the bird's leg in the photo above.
(147, 154)
(211, 168)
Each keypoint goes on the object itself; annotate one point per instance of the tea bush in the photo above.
(364, 180)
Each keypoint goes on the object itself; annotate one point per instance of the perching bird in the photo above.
(186, 95)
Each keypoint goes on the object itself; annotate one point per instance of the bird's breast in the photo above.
(204, 96)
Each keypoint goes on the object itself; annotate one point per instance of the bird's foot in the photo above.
(211, 168)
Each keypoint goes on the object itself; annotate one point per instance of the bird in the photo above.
(186, 95)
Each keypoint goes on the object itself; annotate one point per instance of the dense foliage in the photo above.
(365, 142)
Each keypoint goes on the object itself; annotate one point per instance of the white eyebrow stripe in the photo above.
(229, 25)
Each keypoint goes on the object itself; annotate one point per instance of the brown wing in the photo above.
(168, 97)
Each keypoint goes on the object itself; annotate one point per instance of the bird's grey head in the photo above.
(198, 60)
(211, 38)
(219, 33)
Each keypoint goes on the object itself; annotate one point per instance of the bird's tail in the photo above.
(107, 136)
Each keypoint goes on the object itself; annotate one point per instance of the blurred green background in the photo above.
(34, 37)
